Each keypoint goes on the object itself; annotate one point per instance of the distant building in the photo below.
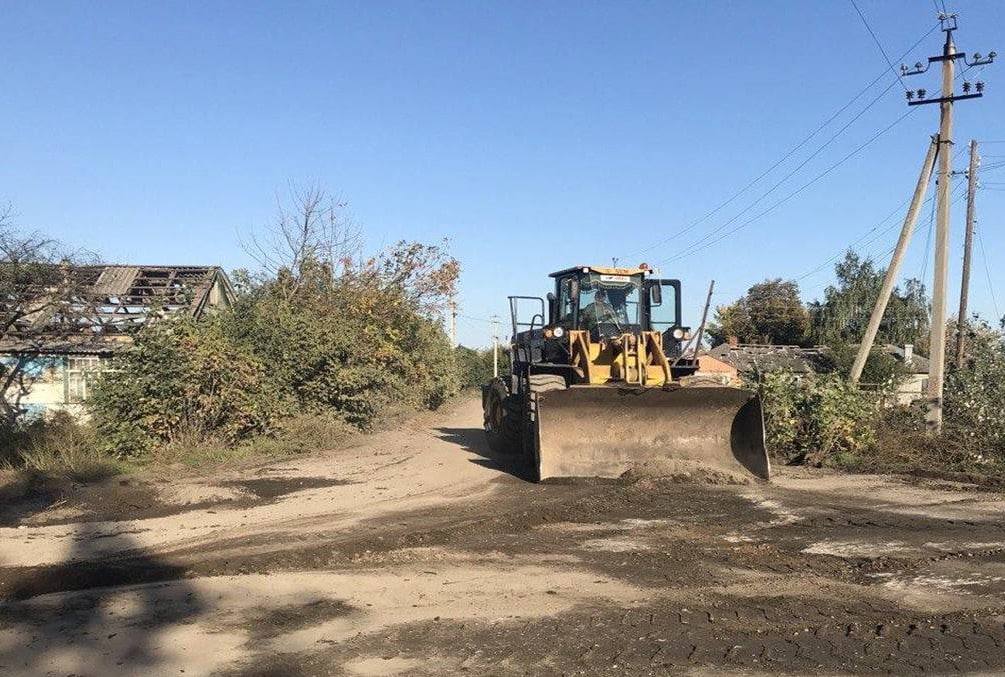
(750, 358)
(732, 360)
(115, 301)
(914, 385)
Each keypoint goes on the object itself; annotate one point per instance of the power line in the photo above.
(690, 226)
(928, 244)
(701, 244)
(818, 268)
(871, 253)
(476, 319)
(987, 272)
(770, 190)
(879, 44)
(836, 256)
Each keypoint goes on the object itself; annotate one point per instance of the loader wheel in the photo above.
(503, 415)
(537, 384)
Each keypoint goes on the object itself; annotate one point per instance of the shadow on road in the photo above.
(473, 440)
(90, 617)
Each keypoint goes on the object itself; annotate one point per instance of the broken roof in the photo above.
(750, 357)
(122, 295)
(916, 365)
(110, 300)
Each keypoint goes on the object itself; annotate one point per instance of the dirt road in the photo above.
(417, 552)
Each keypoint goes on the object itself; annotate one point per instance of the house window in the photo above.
(81, 374)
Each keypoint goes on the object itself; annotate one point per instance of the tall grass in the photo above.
(56, 446)
(298, 434)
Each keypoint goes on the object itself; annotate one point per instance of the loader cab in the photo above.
(612, 301)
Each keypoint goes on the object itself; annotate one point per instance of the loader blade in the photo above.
(603, 431)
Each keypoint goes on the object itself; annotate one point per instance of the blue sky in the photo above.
(533, 135)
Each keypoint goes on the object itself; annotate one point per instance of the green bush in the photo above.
(183, 379)
(317, 336)
(817, 419)
(335, 352)
(880, 369)
(975, 395)
(474, 367)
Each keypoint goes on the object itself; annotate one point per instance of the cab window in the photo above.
(566, 304)
(664, 315)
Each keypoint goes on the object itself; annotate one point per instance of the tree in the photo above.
(475, 365)
(41, 299)
(311, 229)
(842, 316)
(342, 332)
(770, 312)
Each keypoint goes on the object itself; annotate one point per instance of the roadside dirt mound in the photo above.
(682, 471)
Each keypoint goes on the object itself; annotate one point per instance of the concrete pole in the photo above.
(890, 280)
(495, 347)
(937, 348)
(968, 245)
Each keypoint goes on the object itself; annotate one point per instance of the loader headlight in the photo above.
(678, 333)
(554, 332)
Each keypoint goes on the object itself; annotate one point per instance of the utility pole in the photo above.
(495, 346)
(453, 323)
(898, 257)
(968, 245)
(704, 319)
(937, 346)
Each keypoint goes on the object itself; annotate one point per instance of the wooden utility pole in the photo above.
(968, 245)
(937, 346)
(890, 280)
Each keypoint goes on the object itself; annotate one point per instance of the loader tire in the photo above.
(537, 384)
(503, 419)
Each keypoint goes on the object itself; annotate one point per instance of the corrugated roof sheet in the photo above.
(114, 299)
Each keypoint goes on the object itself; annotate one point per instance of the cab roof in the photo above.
(602, 270)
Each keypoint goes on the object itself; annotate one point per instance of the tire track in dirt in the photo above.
(439, 559)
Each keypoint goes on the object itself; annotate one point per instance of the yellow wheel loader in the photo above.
(599, 383)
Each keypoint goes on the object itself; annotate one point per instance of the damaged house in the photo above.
(59, 349)
(732, 360)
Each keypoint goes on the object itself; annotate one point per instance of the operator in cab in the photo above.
(606, 308)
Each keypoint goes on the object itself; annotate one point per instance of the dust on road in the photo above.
(416, 552)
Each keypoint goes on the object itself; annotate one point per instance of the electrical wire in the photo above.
(882, 51)
(987, 272)
(869, 253)
(476, 319)
(703, 244)
(712, 212)
(836, 256)
(928, 244)
(694, 247)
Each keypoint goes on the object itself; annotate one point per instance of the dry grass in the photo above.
(904, 446)
(299, 434)
(60, 447)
